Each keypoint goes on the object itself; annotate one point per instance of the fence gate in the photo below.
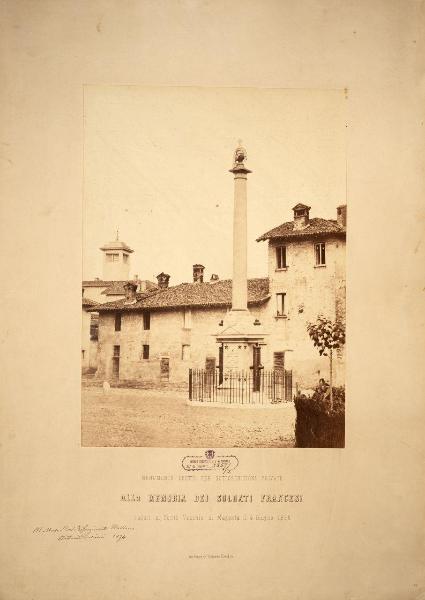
(240, 387)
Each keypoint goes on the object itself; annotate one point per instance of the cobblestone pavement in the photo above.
(153, 418)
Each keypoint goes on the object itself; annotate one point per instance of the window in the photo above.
(116, 351)
(280, 298)
(281, 257)
(185, 352)
(146, 320)
(319, 251)
(145, 352)
(112, 257)
(125, 258)
(117, 321)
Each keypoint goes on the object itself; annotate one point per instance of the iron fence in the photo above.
(240, 387)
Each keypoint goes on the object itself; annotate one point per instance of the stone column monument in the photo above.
(240, 268)
(239, 336)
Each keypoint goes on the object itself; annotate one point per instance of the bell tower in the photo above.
(116, 260)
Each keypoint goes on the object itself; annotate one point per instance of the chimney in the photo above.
(163, 279)
(198, 273)
(341, 215)
(301, 216)
(214, 277)
(136, 278)
(130, 291)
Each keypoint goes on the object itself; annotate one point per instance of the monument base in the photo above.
(241, 339)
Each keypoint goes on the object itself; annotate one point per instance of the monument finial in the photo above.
(240, 155)
(118, 235)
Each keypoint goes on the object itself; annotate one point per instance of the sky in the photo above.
(156, 167)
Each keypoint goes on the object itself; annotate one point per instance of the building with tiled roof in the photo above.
(159, 333)
(306, 265)
(116, 267)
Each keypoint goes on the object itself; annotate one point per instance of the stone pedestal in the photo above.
(238, 337)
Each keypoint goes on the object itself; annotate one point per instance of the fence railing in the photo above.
(240, 387)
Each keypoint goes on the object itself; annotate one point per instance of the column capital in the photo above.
(240, 171)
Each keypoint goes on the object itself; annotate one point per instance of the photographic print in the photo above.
(189, 164)
(213, 299)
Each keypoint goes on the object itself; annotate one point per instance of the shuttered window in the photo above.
(320, 254)
(281, 257)
(280, 301)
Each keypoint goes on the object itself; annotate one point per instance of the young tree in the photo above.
(327, 336)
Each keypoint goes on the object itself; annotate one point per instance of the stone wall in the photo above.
(85, 340)
(108, 337)
(169, 332)
(89, 359)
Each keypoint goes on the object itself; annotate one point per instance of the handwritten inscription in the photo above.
(68, 533)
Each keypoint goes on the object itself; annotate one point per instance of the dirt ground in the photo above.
(153, 418)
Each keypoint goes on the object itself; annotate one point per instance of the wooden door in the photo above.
(256, 369)
(116, 363)
(165, 369)
(220, 364)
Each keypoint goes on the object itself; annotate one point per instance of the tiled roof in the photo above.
(315, 228)
(117, 287)
(117, 245)
(121, 303)
(199, 295)
(114, 288)
(87, 302)
(301, 205)
(97, 283)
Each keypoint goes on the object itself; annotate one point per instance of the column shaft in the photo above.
(240, 284)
